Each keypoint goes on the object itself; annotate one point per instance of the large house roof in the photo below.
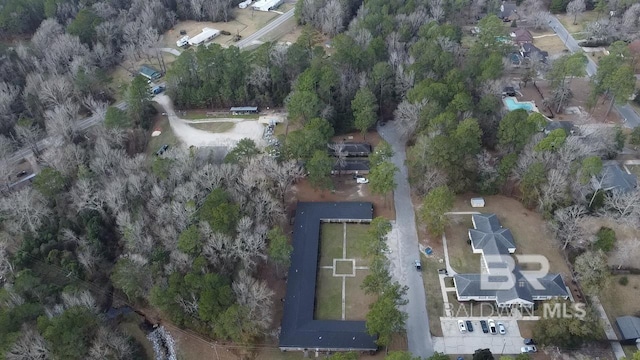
(496, 243)
(299, 329)
(522, 36)
(614, 178)
(629, 327)
(352, 165)
(489, 236)
(351, 149)
(507, 9)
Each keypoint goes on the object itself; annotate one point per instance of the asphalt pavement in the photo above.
(627, 113)
(405, 250)
(249, 40)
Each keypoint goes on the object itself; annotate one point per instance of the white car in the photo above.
(362, 180)
(528, 349)
(492, 327)
(501, 329)
(462, 327)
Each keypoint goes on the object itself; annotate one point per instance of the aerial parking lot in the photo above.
(455, 342)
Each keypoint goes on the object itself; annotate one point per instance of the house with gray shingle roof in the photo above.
(613, 178)
(629, 328)
(496, 244)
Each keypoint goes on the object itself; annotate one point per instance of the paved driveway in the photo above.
(404, 245)
(455, 343)
(630, 118)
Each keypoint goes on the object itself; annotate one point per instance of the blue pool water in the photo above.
(512, 104)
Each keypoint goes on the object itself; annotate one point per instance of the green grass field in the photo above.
(356, 236)
(166, 137)
(214, 127)
(331, 237)
(328, 296)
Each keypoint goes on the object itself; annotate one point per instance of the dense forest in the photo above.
(185, 233)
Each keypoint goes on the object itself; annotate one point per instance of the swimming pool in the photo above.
(512, 104)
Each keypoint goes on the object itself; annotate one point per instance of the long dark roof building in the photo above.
(300, 331)
(629, 327)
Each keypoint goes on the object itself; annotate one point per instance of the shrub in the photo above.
(623, 281)
(605, 239)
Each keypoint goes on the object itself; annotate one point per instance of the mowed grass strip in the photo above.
(344, 267)
(214, 127)
(435, 305)
(331, 237)
(166, 136)
(356, 237)
(356, 301)
(328, 296)
(461, 256)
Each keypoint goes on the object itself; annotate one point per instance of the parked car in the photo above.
(157, 90)
(461, 326)
(21, 174)
(502, 329)
(162, 149)
(469, 325)
(362, 180)
(492, 327)
(443, 271)
(529, 342)
(528, 349)
(483, 325)
(417, 264)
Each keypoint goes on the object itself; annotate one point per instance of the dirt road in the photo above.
(191, 136)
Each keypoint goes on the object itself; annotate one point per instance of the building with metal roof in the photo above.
(150, 73)
(243, 110)
(350, 149)
(629, 328)
(299, 330)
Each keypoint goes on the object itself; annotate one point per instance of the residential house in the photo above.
(629, 328)
(529, 51)
(243, 110)
(350, 149)
(567, 126)
(351, 167)
(521, 36)
(496, 244)
(150, 73)
(508, 11)
(614, 178)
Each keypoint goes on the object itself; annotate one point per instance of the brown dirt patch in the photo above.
(345, 189)
(293, 35)
(581, 89)
(245, 23)
(356, 301)
(553, 44)
(528, 228)
(592, 224)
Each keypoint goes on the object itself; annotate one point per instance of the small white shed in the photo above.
(477, 202)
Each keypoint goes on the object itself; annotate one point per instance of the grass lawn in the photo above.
(166, 137)
(435, 306)
(214, 127)
(461, 257)
(528, 228)
(331, 236)
(615, 299)
(526, 328)
(344, 267)
(582, 20)
(130, 327)
(356, 235)
(328, 296)
(356, 301)
(202, 115)
(552, 44)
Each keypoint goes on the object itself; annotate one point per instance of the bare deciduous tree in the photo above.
(110, 344)
(626, 252)
(540, 19)
(407, 116)
(26, 210)
(332, 17)
(575, 8)
(256, 296)
(623, 206)
(30, 345)
(567, 225)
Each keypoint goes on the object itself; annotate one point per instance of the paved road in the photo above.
(171, 51)
(629, 116)
(418, 334)
(248, 41)
(53, 140)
